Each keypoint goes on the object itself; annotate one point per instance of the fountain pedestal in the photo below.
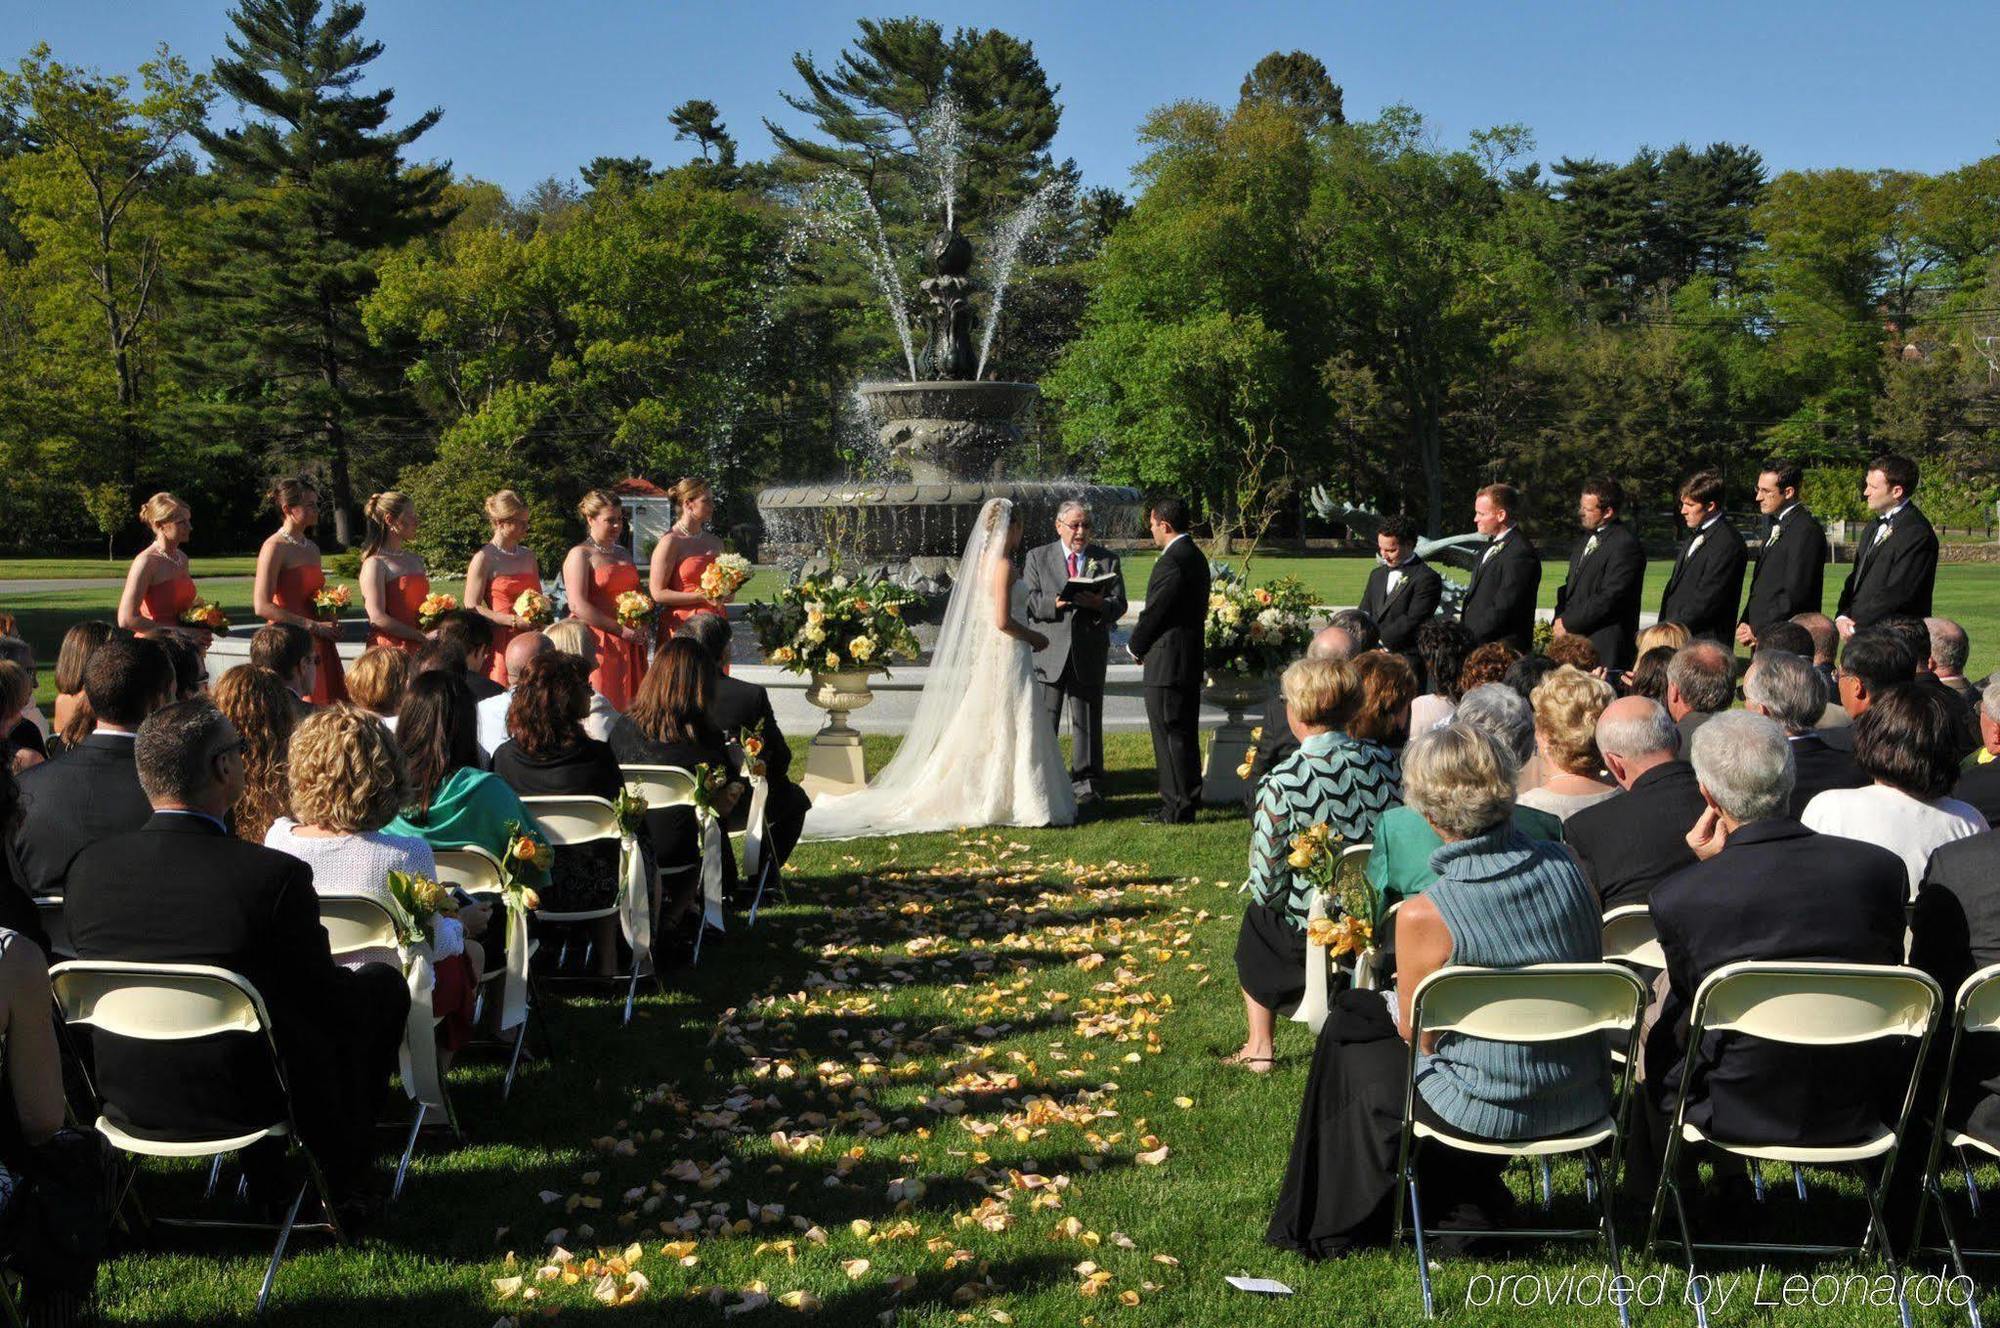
(1232, 743)
(834, 763)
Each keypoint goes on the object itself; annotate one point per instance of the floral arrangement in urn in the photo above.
(830, 622)
(1255, 630)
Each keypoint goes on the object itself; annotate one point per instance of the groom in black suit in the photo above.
(1707, 580)
(1607, 569)
(1168, 641)
(1403, 592)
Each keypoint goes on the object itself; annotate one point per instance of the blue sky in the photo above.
(537, 89)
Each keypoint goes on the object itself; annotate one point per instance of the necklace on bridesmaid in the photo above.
(287, 537)
(606, 549)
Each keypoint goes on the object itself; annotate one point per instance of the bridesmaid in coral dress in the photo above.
(289, 574)
(499, 573)
(394, 581)
(595, 574)
(682, 555)
(158, 588)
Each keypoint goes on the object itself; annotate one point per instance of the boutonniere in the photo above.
(1777, 529)
(1093, 568)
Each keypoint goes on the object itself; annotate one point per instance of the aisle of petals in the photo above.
(905, 1116)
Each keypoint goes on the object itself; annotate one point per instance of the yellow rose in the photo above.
(1321, 931)
(832, 662)
(1301, 858)
(1243, 771)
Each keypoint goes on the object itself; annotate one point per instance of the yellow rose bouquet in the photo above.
(533, 608)
(729, 573)
(422, 901)
(633, 608)
(432, 611)
(328, 601)
(205, 614)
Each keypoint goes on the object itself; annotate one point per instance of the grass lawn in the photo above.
(29, 569)
(918, 1093)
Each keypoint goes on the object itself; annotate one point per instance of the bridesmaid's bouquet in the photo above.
(205, 614)
(633, 607)
(725, 576)
(432, 611)
(1253, 630)
(533, 608)
(421, 902)
(328, 601)
(831, 623)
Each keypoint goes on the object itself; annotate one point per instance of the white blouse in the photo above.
(1907, 827)
(359, 864)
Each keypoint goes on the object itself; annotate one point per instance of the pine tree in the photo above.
(321, 190)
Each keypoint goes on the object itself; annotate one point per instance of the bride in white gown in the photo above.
(979, 751)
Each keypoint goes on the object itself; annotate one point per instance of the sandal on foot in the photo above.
(1258, 1064)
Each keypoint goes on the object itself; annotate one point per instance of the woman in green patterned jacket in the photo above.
(1332, 778)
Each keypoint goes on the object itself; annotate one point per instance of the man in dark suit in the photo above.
(1069, 671)
(1895, 561)
(1499, 602)
(737, 708)
(1607, 573)
(1979, 778)
(1954, 932)
(1631, 843)
(1701, 684)
(1167, 640)
(1786, 689)
(1707, 581)
(183, 890)
(1767, 888)
(1790, 574)
(92, 791)
(1403, 590)
(1949, 649)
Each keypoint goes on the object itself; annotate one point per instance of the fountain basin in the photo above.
(943, 431)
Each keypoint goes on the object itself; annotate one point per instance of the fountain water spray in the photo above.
(1007, 243)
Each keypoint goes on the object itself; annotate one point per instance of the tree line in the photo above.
(196, 302)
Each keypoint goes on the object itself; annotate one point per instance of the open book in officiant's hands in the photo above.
(1100, 585)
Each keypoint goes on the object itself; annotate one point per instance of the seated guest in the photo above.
(28, 729)
(1766, 887)
(1487, 663)
(1979, 778)
(451, 802)
(1274, 736)
(1955, 932)
(1671, 634)
(1904, 742)
(1949, 649)
(1791, 639)
(1825, 635)
(259, 706)
(20, 741)
(17, 909)
(376, 681)
(182, 890)
(670, 725)
(1916, 638)
(190, 667)
(572, 637)
(289, 651)
(93, 791)
(346, 782)
(1567, 704)
(72, 718)
(1500, 899)
(740, 706)
(1787, 689)
(1577, 652)
(1388, 686)
(1333, 778)
(1525, 674)
(1360, 628)
(1701, 683)
(522, 648)
(1648, 677)
(1871, 662)
(1442, 645)
(548, 754)
(1630, 843)
(472, 633)
(1400, 865)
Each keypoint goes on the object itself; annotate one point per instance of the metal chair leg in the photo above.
(514, 1059)
(1757, 1182)
(214, 1177)
(1593, 1181)
(1423, 1260)
(409, 1150)
(1799, 1182)
(1879, 1229)
(278, 1254)
(1547, 1198)
(631, 990)
(1971, 1185)
(1696, 1287)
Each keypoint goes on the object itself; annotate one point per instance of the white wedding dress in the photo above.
(979, 751)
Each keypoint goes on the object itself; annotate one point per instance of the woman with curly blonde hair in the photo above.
(1567, 703)
(346, 782)
(261, 707)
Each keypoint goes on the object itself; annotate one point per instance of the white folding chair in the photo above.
(1535, 1004)
(354, 924)
(1800, 1004)
(1976, 1011)
(477, 872)
(572, 822)
(1629, 937)
(673, 786)
(185, 1003)
(49, 908)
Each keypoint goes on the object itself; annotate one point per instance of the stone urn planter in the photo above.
(833, 761)
(1231, 746)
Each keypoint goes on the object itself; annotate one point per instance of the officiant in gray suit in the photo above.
(1071, 668)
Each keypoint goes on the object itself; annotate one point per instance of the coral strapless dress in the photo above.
(686, 576)
(620, 663)
(501, 592)
(294, 594)
(404, 594)
(165, 601)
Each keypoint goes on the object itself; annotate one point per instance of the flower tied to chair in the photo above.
(419, 902)
(635, 893)
(523, 850)
(709, 781)
(751, 740)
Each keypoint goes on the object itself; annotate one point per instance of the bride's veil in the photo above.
(968, 626)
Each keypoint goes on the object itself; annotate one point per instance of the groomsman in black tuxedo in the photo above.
(1607, 573)
(1707, 581)
(1499, 601)
(1790, 574)
(1167, 640)
(1403, 591)
(1895, 564)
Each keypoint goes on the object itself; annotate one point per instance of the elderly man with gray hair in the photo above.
(1765, 887)
(1632, 842)
(1979, 778)
(1076, 592)
(1400, 867)
(1274, 734)
(1701, 682)
(1787, 689)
